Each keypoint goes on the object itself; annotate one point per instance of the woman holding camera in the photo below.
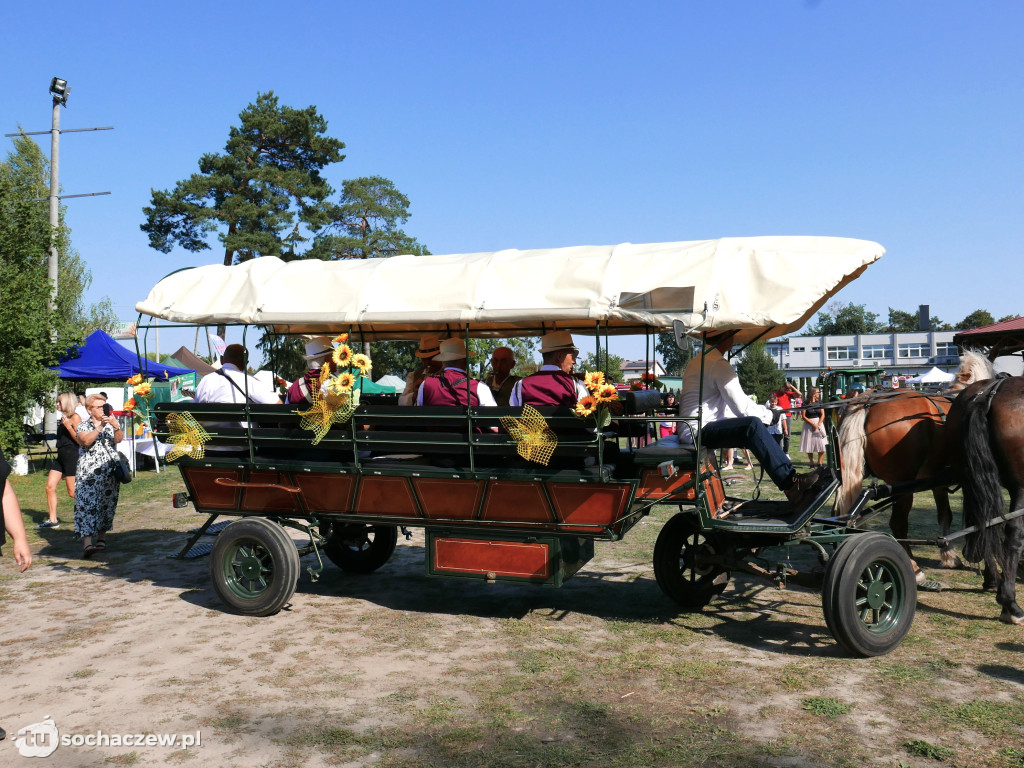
(96, 488)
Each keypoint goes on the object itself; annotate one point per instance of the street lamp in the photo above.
(59, 89)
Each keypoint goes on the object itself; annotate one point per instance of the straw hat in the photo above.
(318, 347)
(429, 346)
(551, 342)
(451, 349)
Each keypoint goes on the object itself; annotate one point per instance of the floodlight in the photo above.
(59, 89)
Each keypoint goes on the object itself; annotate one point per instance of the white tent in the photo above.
(760, 286)
(934, 376)
(390, 380)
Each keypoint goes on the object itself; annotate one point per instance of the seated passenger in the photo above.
(452, 386)
(723, 428)
(554, 383)
(230, 384)
(501, 380)
(318, 352)
(429, 347)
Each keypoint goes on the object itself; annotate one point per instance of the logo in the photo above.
(38, 739)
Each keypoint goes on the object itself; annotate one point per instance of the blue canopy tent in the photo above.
(101, 358)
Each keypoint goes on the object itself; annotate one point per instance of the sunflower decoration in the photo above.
(534, 439)
(596, 404)
(335, 396)
(140, 392)
(187, 436)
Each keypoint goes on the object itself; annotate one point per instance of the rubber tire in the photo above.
(679, 542)
(245, 545)
(869, 568)
(360, 548)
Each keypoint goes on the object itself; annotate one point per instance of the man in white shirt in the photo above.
(230, 384)
(553, 383)
(452, 386)
(730, 419)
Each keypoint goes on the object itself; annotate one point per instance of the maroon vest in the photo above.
(308, 382)
(548, 388)
(451, 391)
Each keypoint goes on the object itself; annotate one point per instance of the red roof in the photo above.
(1017, 324)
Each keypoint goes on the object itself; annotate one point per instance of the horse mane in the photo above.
(974, 366)
(982, 492)
(852, 439)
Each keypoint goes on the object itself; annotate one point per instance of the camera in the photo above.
(107, 409)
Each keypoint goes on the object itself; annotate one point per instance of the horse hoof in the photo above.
(952, 562)
(1009, 618)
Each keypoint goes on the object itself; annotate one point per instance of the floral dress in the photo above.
(96, 488)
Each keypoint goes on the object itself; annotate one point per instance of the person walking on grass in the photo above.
(66, 463)
(97, 489)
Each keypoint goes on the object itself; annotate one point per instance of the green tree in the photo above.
(672, 357)
(1007, 317)
(366, 223)
(845, 319)
(259, 194)
(610, 364)
(979, 318)
(759, 374)
(901, 322)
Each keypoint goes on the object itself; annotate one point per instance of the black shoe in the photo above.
(802, 486)
(3, 734)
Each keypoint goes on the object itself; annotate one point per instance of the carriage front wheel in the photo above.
(254, 566)
(682, 562)
(869, 595)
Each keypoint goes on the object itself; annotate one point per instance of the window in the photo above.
(915, 349)
(841, 353)
(798, 349)
(947, 348)
(876, 351)
(815, 349)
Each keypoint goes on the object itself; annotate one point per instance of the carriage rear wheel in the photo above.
(360, 548)
(254, 566)
(681, 562)
(869, 596)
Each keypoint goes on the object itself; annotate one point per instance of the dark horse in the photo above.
(900, 436)
(986, 446)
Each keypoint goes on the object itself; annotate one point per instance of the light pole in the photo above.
(60, 90)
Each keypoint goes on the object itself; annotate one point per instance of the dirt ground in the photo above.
(398, 669)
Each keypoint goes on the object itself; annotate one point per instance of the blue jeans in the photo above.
(750, 432)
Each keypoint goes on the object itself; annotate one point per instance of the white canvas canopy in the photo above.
(760, 286)
(934, 376)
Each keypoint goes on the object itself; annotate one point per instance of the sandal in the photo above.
(91, 550)
(100, 544)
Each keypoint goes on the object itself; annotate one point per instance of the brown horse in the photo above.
(986, 448)
(899, 436)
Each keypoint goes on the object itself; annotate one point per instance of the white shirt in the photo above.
(516, 398)
(215, 388)
(483, 392)
(723, 395)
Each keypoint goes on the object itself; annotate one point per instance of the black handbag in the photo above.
(122, 469)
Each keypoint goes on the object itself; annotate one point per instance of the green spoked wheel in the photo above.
(359, 548)
(869, 595)
(254, 567)
(682, 564)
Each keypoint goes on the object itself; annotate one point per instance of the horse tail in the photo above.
(852, 439)
(982, 492)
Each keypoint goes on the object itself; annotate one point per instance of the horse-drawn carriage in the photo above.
(490, 507)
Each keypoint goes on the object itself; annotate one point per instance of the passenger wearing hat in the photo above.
(429, 347)
(318, 350)
(553, 383)
(452, 386)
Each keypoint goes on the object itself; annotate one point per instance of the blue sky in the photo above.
(548, 124)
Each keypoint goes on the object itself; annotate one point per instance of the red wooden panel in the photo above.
(449, 497)
(269, 499)
(595, 504)
(502, 558)
(326, 492)
(509, 500)
(207, 495)
(385, 496)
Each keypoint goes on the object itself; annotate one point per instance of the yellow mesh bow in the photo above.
(327, 410)
(187, 436)
(534, 439)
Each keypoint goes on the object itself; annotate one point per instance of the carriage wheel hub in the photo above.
(876, 595)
